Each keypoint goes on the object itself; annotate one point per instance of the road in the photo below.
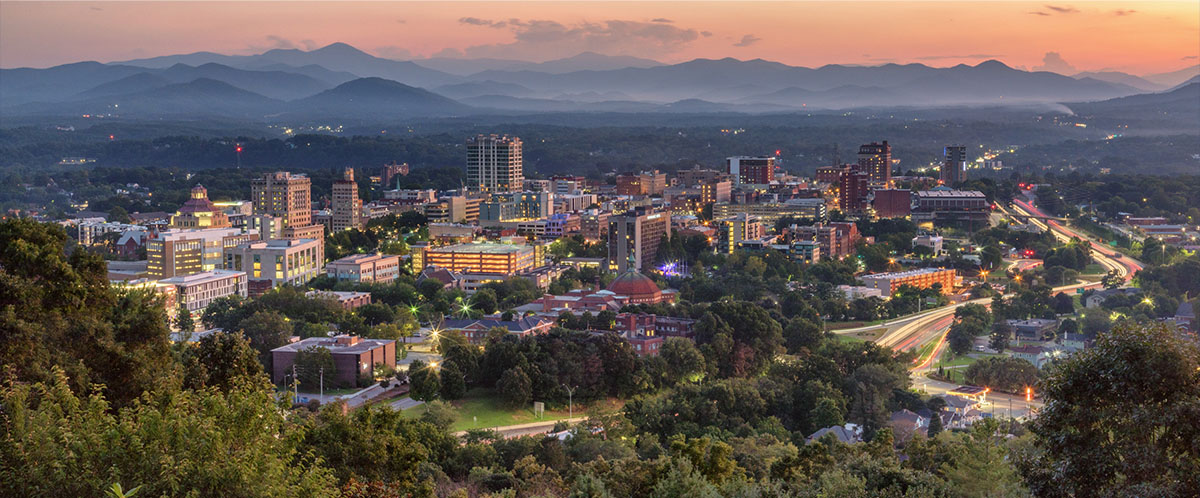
(912, 333)
(528, 429)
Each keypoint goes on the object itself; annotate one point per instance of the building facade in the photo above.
(353, 357)
(495, 164)
(198, 290)
(923, 278)
(276, 263)
(875, 159)
(365, 268)
(347, 206)
(747, 170)
(180, 252)
(488, 258)
(199, 212)
(635, 237)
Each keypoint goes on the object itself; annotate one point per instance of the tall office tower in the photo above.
(285, 196)
(853, 191)
(747, 170)
(954, 169)
(635, 236)
(876, 160)
(347, 207)
(494, 164)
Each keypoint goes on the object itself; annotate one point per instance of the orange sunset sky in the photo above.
(1137, 37)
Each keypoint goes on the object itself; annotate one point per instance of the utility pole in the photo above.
(295, 385)
(322, 384)
(570, 400)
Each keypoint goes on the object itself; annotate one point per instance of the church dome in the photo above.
(633, 284)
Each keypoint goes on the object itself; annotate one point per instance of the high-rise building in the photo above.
(521, 206)
(644, 183)
(635, 237)
(853, 191)
(892, 203)
(494, 164)
(832, 174)
(876, 160)
(199, 212)
(347, 206)
(954, 169)
(747, 170)
(736, 229)
(285, 196)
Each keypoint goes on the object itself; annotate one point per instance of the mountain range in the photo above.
(341, 81)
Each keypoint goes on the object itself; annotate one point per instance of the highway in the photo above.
(913, 332)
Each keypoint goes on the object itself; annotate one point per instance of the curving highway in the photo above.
(912, 333)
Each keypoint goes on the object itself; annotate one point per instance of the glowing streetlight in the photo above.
(1028, 393)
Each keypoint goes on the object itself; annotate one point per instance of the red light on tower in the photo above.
(112, 137)
(777, 151)
(239, 149)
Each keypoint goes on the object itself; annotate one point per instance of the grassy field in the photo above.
(948, 359)
(850, 325)
(481, 408)
(866, 335)
(1094, 269)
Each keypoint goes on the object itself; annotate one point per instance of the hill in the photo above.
(202, 97)
(377, 97)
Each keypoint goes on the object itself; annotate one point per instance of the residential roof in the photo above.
(1185, 310)
(842, 433)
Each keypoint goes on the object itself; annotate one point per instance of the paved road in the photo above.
(910, 333)
(530, 428)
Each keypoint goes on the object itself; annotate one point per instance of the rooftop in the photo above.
(951, 193)
(342, 344)
(907, 273)
(485, 248)
(206, 276)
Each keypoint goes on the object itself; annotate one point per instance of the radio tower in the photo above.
(238, 149)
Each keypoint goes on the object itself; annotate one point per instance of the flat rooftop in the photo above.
(951, 193)
(483, 248)
(202, 277)
(908, 273)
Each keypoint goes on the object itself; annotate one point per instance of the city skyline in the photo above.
(1142, 38)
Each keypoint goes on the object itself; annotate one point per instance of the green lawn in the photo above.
(948, 359)
(1094, 269)
(848, 338)
(481, 408)
(850, 325)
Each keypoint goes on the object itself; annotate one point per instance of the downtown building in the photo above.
(181, 252)
(196, 291)
(347, 206)
(875, 159)
(199, 212)
(276, 263)
(635, 236)
(733, 230)
(644, 183)
(288, 198)
(749, 170)
(954, 166)
(364, 268)
(495, 164)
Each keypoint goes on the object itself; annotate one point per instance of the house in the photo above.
(1033, 329)
(1028, 353)
(961, 411)
(906, 423)
(1075, 342)
(1097, 298)
(353, 357)
(849, 433)
(1185, 316)
(449, 279)
(642, 323)
(476, 330)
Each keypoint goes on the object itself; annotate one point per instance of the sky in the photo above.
(1067, 37)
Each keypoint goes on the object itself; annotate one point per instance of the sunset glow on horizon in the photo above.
(1135, 37)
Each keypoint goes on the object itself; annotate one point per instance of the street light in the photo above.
(570, 401)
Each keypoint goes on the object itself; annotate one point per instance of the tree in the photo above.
(516, 388)
(1063, 304)
(376, 313)
(1113, 280)
(1001, 334)
(935, 425)
(266, 330)
(118, 214)
(990, 257)
(1120, 418)
(589, 486)
(683, 360)
(220, 360)
(485, 301)
(315, 368)
(60, 311)
(827, 413)
(424, 381)
(440, 414)
(454, 386)
(153, 443)
(183, 319)
(1002, 373)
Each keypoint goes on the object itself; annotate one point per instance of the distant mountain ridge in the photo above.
(339, 80)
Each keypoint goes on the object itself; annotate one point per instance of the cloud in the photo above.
(1124, 12)
(98, 9)
(706, 34)
(401, 21)
(537, 39)
(475, 21)
(1190, 57)
(662, 20)
(1055, 9)
(968, 56)
(1055, 63)
(747, 41)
